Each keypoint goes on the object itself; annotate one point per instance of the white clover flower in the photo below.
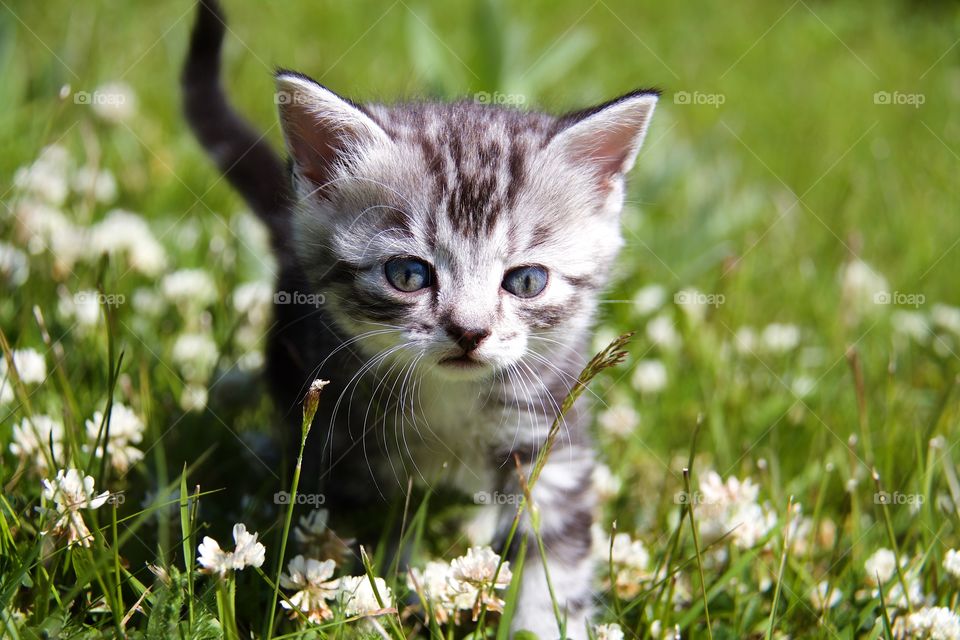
(472, 578)
(254, 300)
(311, 526)
(71, 492)
(693, 303)
(605, 483)
(780, 338)
(662, 332)
(195, 354)
(631, 564)
(6, 390)
(951, 562)
(435, 585)
(478, 567)
(649, 376)
(823, 597)
(247, 553)
(466, 584)
(860, 286)
(630, 553)
(896, 597)
(114, 102)
(946, 317)
(933, 623)
(14, 267)
(731, 508)
(99, 183)
(608, 632)
(46, 177)
(30, 366)
(194, 397)
(251, 340)
(912, 324)
(44, 229)
(799, 530)
(311, 579)
(126, 233)
(745, 340)
(212, 558)
(126, 430)
(189, 288)
(619, 420)
(82, 307)
(147, 302)
(315, 539)
(32, 437)
(882, 563)
(803, 386)
(656, 629)
(357, 596)
(649, 299)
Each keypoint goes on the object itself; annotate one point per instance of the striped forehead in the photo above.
(475, 160)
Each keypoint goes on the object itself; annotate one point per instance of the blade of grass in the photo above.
(310, 403)
(186, 534)
(892, 539)
(783, 564)
(696, 548)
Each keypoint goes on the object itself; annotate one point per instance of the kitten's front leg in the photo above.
(564, 498)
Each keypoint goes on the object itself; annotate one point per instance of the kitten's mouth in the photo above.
(462, 361)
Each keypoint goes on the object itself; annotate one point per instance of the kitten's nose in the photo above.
(467, 339)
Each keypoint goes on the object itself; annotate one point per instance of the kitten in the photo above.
(459, 250)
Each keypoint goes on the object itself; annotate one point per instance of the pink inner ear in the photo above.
(607, 139)
(313, 143)
(611, 151)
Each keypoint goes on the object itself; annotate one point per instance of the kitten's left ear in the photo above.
(606, 137)
(321, 128)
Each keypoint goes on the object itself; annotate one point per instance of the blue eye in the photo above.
(407, 274)
(525, 282)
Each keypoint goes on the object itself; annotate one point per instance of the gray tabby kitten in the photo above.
(459, 250)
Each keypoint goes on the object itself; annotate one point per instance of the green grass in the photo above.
(759, 202)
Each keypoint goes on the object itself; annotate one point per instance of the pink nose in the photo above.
(467, 339)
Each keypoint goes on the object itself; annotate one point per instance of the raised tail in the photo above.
(244, 156)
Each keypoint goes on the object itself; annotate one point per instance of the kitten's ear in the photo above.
(320, 127)
(606, 137)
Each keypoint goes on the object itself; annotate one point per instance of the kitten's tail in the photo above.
(245, 157)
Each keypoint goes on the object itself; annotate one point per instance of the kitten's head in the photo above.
(462, 236)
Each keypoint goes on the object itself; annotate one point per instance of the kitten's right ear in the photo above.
(606, 138)
(321, 128)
